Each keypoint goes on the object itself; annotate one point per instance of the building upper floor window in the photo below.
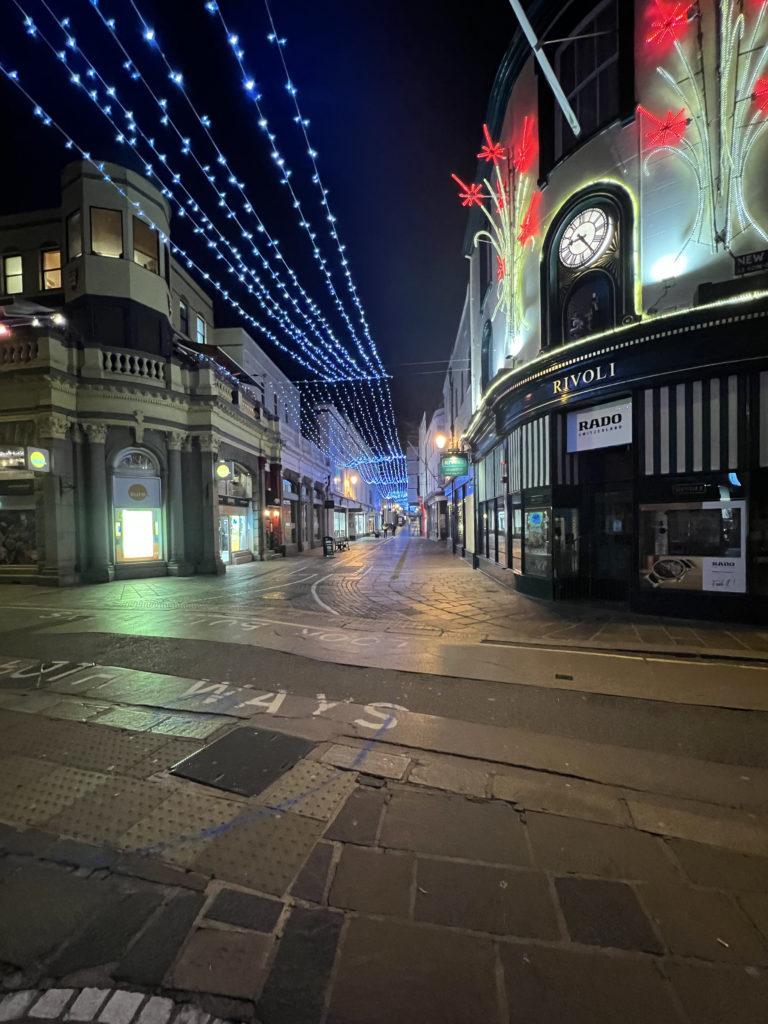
(200, 330)
(183, 317)
(485, 258)
(51, 268)
(587, 67)
(13, 283)
(74, 235)
(145, 246)
(106, 232)
(277, 410)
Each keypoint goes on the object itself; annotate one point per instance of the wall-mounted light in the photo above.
(441, 441)
(669, 267)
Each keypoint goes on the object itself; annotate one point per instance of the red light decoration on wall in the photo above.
(492, 152)
(529, 225)
(470, 195)
(525, 150)
(501, 268)
(4, 332)
(669, 22)
(666, 132)
(761, 94)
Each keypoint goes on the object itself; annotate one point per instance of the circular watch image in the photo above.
(668, 570)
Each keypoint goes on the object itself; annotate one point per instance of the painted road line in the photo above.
(313, 590)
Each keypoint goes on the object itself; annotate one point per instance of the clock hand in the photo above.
(591, 250)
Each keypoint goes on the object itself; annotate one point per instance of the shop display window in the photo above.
(694, 546)
(137, 534)
(501, 531)
(517, 539)
(537, 543)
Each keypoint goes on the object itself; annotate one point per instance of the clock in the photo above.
(586, 238)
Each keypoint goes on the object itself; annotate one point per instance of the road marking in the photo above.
(401, 560)
(313, 591)
(281, 586)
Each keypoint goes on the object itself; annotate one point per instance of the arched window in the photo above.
(486, 356)
(135, 462)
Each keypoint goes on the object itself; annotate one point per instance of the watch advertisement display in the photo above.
(694, 546)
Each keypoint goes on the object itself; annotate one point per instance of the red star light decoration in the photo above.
(501, 268)
(530, 222)
(525, 150)
(492, 152)
(669, 24)
(761, 94)
(667, 132)
(471, 195)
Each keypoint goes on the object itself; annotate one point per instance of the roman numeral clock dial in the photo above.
(585, 239)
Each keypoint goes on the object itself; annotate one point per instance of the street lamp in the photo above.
(441, 441)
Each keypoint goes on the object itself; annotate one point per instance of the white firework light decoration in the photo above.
(721, 116)
(511, 210)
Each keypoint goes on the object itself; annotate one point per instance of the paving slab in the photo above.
(222, 962)
(373, 882)
(571, 798)
(107, 810)
(148, 959)
(358, 820)
(312, 880)
(755, 905)
(720, 869)
(298, 980)
(41, 907)
(503, 901)
(720, 995)
(703, 924)
(602, 913)
(106, 937)
(394, 971)
(454, 826)
(570, 846)
(546, 985)
(726, 831)
(373, 762)
(309, 788)
(265, 853)
(245, 910)
(466, 780)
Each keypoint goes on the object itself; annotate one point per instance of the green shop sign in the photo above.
(454, 465)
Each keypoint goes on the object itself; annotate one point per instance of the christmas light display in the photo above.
(716, 149)
(511, 209)
(358, 388)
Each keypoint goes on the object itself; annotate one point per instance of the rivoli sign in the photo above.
(600, 426)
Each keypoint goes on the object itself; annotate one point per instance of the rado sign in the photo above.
(583, 378)
(600, 426)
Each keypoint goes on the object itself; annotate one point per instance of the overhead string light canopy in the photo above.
(344, 380)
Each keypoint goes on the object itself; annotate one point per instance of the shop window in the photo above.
(200, 330)
(587, 67)
(501, 531)
(694, 546)
(145, 246)
(51, 268)
(13, 281)
(537, 545)
(183, 317)
(74, 235)
(106, 232)
(516, 523)
(18, 535)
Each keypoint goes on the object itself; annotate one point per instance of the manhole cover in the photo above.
(245, 761)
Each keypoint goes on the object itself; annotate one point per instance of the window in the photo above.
(200, 330)
(588, 70)
(277, 410)
(485, 256)
(486, 356)
(51, 268)
(145, 246)
(106, 232)
(12, 275)
(183, 317)
(74, 235)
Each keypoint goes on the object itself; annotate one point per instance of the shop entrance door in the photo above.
(608, 527)
(565, 547)
(224, 538)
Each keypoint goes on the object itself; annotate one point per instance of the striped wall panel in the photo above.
(535, 453)
(695, 427)
(566, 468)
(514, 455)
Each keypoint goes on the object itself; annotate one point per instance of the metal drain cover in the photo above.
(245, 761)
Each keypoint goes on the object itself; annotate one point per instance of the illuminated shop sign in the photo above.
(224, 470)
(12, 458)
(750, 262)
(583, 378)
(600, 426)
(454, 465)
(132, 493)
(39, 459)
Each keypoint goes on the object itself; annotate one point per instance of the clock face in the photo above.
(586, 238)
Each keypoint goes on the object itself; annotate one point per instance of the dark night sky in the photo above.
(396, 94)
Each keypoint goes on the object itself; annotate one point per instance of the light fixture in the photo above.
(441, 441)
(353, 479)
(58, 319)
(669, 267)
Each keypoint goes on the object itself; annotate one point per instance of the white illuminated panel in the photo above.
(138, 539)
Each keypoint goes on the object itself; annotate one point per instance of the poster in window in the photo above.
(694, 546)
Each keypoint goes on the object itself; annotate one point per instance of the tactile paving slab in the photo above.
(107, 811)
(264, 853)
(311, 789)
(42, 798)
(245, 761)
(100, 748)
(178, 831)
(172, 751)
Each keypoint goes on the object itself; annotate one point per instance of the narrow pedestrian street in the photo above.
(377, 787)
